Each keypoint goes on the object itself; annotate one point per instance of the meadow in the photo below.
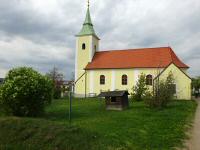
(94, 128)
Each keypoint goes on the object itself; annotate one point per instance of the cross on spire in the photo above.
(87, 28)
(88, 3)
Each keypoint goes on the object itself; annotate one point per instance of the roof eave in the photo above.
(167, 67)
(80, 35)
(90, 68)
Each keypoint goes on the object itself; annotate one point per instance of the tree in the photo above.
(196, 83)
(162, 94)
(196, 86)
(140, 89)
(57, 79)
(25, 92)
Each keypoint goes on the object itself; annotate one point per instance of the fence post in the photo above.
(70, 106)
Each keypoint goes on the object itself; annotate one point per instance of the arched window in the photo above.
(95, 48)
(102, 79)
(149, 80)
(83, 46)
(124, 80)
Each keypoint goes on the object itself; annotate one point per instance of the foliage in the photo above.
(196, 83)
(94, 128)
(57, 90)
(57, 79)
(25, 92)
(140, 89)
(162, 94)
(196, 86)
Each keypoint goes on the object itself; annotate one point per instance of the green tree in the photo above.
(58, 80)
(25, 92)
(162, 94)
(140, 89)
(196, 86)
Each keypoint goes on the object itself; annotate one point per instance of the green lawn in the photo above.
(138, 128)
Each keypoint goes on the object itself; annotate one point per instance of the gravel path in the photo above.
(194, 142)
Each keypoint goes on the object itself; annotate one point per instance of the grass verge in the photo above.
(94, 128)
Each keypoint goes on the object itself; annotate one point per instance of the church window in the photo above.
(95, 48)
(83, 46)
(124, 80)
(102, 79)
(149, 80)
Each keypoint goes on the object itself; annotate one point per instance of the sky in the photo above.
(41, 33)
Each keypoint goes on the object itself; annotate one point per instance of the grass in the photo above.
(94, 128)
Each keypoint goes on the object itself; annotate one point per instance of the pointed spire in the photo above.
(88, 18)
(87, 28)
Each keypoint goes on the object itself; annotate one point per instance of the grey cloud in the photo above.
(30, 24)
(120, 25)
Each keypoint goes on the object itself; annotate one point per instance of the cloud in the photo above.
(40, 34)
(22, 52)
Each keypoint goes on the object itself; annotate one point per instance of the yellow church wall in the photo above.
(184, 70)
(95, 42)
(96, 81)
(150, 71)
(82, 55)
(82, 59)
(183, 82)
(113, 79)
(130, 80)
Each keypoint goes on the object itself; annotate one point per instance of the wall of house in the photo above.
(113, 79)
(182, 81)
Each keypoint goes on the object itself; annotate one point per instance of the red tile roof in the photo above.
(135, 58)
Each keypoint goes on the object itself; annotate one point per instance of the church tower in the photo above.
(87, 43)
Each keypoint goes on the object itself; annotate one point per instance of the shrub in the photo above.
(162, 94)
(25, 92)
(196, 86)
(140, 89)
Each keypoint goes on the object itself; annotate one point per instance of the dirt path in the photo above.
(194, 142)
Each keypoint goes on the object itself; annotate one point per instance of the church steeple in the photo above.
(87, 44)
(87, 28)
(88, 18)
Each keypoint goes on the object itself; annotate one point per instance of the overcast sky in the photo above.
(40, 33)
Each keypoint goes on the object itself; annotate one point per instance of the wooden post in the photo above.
(85, 84)
(70, 106)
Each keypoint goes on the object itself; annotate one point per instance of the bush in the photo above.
(162, 94)
(140, 89)
(25, 92)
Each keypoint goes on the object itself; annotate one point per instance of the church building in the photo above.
(97, 71)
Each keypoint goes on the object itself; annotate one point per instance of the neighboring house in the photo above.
(97, 71)
(1, 80)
